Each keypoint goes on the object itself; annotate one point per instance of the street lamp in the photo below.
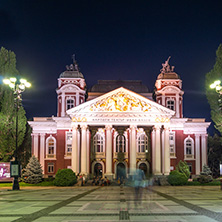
(18, 87)
(216, 85)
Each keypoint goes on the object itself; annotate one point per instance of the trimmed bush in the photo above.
(177, 179)
(65, 177)
(182, 167)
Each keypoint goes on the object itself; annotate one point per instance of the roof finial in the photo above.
(73, 58)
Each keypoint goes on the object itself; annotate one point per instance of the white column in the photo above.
(88, 147)
(157, 152)
(63, 105)
(35, 144)
(132, 149)
(77, 98)
(204, 149)
(162, 148)
(42, 151)
(153, 150)
(197, 155)
(75, 154)
(177, 106)
(109, 152)
(83, 150)
(166, 151)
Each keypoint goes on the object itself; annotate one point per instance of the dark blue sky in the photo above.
(112, 40)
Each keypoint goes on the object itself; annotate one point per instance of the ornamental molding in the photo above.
(69, 88)
(170, 89)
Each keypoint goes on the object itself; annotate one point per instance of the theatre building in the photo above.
(117, 126)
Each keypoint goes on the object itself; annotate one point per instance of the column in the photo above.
(153, 150)
(157, 152)
(162, 148)
(63, 105)
(88, 149)
(177, 106)
(166, 151)
(83, 150)
(42, 151)
(77, 98)
(109, 152)
(204, 149)
(132, 149)
(197, 153)
(35, 144)
(75, 154)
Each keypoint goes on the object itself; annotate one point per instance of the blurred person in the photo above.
(139, 179)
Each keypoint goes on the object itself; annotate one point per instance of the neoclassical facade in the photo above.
(117, 126)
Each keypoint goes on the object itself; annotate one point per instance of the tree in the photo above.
(33, 171)
(7, 109)
(215, 99)
(214, 154)
(182, 167)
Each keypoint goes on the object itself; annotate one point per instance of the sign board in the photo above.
(15, 169)
(221, 169)
(4, 171)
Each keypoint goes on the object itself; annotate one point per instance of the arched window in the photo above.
(50, 147)
(142, 143)
(170, 104)
(98, 142)
(120, 144)
(189, 148)
(69, 103)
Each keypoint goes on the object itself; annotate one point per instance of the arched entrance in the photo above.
(98, 170)
(121, 171)
(143, 167)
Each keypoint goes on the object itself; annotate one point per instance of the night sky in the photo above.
(112, 40)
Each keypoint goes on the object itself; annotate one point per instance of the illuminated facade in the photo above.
(118, 129)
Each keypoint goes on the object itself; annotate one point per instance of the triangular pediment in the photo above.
(120, 102)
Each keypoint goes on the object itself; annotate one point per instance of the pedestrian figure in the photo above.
(138, 178)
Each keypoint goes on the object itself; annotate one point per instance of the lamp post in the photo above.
(18, 87)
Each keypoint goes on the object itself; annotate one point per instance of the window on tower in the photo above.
(69, 104)
(170, 104)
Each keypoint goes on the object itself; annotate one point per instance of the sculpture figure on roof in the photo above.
(74, 66)
(166, 66)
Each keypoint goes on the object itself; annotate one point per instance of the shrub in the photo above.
(182, 167)
(205, 179)
(33, 172)
(206, 170)
(65, 177)
(177, 178)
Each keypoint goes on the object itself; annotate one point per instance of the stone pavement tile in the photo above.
(8, 219)
(198, 218)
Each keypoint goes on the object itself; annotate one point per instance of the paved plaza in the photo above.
(113, 203)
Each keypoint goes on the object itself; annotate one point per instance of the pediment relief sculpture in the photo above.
(121, 102)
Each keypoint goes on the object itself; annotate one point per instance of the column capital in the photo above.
(74, 126)
(42, 134)
(34, 134)
(133, 127)
(156, 127)
(108, 127)
(84, 126)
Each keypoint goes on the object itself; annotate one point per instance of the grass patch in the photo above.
(22, 184)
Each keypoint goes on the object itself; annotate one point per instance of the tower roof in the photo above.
(167, 71)
(72, 71)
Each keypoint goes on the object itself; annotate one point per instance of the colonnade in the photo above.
(160, 150)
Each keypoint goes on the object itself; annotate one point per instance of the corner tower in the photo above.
(71, 89)
(169, 89)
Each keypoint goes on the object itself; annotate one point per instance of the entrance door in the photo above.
(121, 171)
(143, 167)
(98, 170)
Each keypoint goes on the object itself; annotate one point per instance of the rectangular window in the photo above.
(172, 142)
(50, 167)
(68, 142)
(170, 104)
